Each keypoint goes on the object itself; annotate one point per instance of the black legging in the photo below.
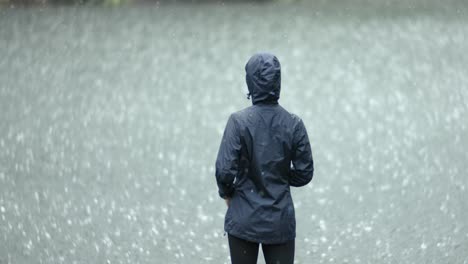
(246, 252)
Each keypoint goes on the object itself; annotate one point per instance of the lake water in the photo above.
(111, 120)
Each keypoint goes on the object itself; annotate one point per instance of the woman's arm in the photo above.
(302, 169)
(227, 162)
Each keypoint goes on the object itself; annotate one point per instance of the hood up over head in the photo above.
(263, 77)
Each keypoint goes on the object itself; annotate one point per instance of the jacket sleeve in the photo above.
(227, 162)
(302, 169)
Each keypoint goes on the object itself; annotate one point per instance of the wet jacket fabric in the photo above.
(264, 150)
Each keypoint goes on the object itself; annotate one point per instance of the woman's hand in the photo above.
(228, 201)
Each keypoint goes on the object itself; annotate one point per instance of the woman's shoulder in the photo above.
(292, 118)
(243, 113)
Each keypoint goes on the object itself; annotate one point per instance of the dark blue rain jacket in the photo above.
(264, 150)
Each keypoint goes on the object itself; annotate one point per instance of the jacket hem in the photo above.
(280, 240)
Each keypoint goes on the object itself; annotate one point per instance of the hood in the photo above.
(263, 77)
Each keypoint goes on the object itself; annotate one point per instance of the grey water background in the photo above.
(111, 120)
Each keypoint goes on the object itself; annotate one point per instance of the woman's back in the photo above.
(253, 168)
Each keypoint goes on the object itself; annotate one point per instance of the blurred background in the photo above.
(112, 111)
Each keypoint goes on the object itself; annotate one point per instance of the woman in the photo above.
(264, 150)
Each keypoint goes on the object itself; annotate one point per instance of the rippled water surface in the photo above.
(111, 119)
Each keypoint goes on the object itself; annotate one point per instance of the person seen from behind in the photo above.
(264, 150)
